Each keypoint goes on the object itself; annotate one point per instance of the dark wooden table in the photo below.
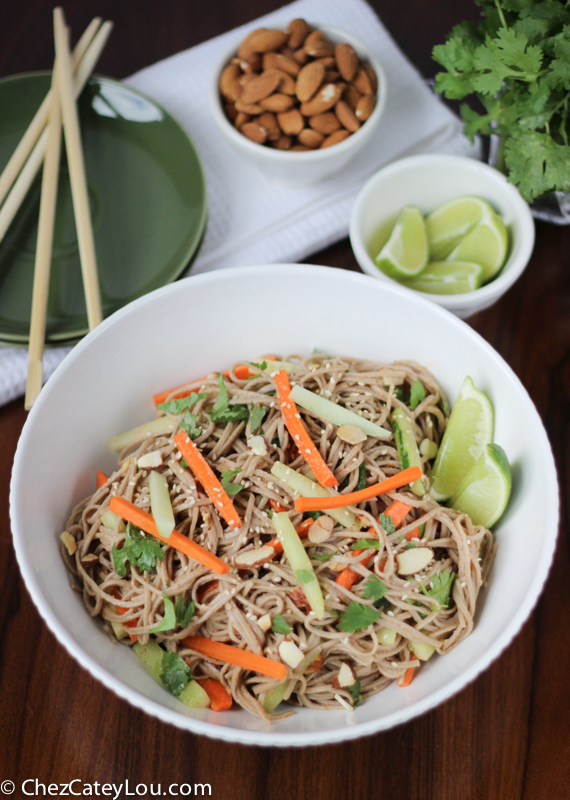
(506, 736)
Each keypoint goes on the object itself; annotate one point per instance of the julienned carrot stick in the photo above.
(208, 479)
(145, 521)
(397, 511)
(302, 532)
(234, 655)
(405, 679)
(220, 699)
(339, 501)
(276, 506)
(101, 479)
(241, 372)
(299, 433)
(206, 589)
(129, 623)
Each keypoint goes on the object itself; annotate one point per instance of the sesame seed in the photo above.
(390, 613)
(394, 663)
(307, 450)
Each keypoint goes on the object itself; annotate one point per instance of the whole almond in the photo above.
(364, 107)
(299, 147)
(328, 62)
(310, 138)
(245, 50)
(308, 80)
(286, 83)
(254, 131)
(347, 61)
(352, 96)
(325, 123)
(279, 61)
(269, 122)
(241, 119)
(245, 79)
(231, 112)
(266, 41)
(283, 143)
(362, 82)
(227, 78)
(371, 77)
(248, 108)
(317, 46)
(299, 30)
(331, 76)
(335, 138)
(259, 87)
(346, 116)
(291, 122)
(277, 102)
(327, 96)
(251, 64)
(300, 56)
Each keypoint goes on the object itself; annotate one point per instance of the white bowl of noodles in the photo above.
(208, 323)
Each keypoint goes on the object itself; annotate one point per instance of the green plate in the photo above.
(148, 205)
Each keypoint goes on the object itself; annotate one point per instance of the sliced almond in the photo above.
(227, 78)
(283, 63)
(325, 123)
(298, 30)
(290, 653)
(277, 103)
(291, 122)
(327, 97)
(310, 138)
(321, 529)
(316, 665)
(362, 82)
(89, 560)
(249, 108)
(150, 460)
(69, 542)
(352, 96)
(259, 86)
(346, 116)
(308, 80)
(364, 107)
(346, 675)
(335, 138)
(414, 560)
(351, 434)
(254, 131)
(317, 45)
(299, 597)
(264, 622)
(266, 41)
(254, 557)
(258, 444)
(347, 61)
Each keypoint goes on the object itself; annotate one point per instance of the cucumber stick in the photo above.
(305, 487)
(110, 520)
(276, 366)
(407, 446)
(337, 415)
(160, 503)
(151, 654)
(158, 425)
(194, 696)
(299, 562)
(275, 696)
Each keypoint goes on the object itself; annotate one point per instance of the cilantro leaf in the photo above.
(262, 366)
(279, 625)
(398, 393)
(226, 480)
(322, 556)
(184, 611)
(365, 544)
(175, 674)
(314, 514)
(373, 588)
(256, 417)
(190, 426)
(355, 693)
(222, 411)
(178, 406)
(184, 463)
(387, 523)
(305, 575)
(142, 551)
(361, 477)
(441, 590)
(357, 617)
(417, 394)
(168, 622)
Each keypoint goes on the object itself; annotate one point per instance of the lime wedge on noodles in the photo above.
(406, 251)
(447, 277)
(486, 245)
(451, 222)
(485, 491)
(469, 429)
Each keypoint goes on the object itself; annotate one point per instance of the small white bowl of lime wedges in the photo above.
(449, 227)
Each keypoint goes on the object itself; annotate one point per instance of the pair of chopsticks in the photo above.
(42, 143)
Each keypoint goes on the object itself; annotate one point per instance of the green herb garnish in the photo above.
(256, 417)
(189, 425)
(226, 480)
(222, 411)
(361, 477)
(279, 625)
(357, 617)
(387, 523)
(322, 556)
(141, 551)
(373, 588)
(176, 674)
(355, 693)
(261, 366)
(417, 394)
(365, 544)
(441, 589)
(305, 575)
(184, 611)
(169, 620)
(178, 406)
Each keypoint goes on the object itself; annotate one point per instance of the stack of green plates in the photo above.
(148, 206)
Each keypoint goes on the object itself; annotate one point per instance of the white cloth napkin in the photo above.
(243, 227)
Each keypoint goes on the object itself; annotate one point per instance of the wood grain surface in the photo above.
(505, 737)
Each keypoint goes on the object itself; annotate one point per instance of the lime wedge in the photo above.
(485, 491)
(469, 429)
(451, 222)
(447, 277)
(486, 245)
(406, 251)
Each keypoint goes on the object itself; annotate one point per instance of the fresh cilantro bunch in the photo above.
(140, 550)
(516, 61)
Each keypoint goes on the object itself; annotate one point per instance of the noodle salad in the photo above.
(270, 536)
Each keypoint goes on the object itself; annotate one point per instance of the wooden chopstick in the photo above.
(36, 126)
(32, 166)
(77, 172)
(48, 204)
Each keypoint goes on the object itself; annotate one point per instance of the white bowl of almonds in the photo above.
(298, 103)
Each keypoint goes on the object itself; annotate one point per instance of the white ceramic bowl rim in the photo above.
(506, 277)
(272, 736)
(311, 155)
